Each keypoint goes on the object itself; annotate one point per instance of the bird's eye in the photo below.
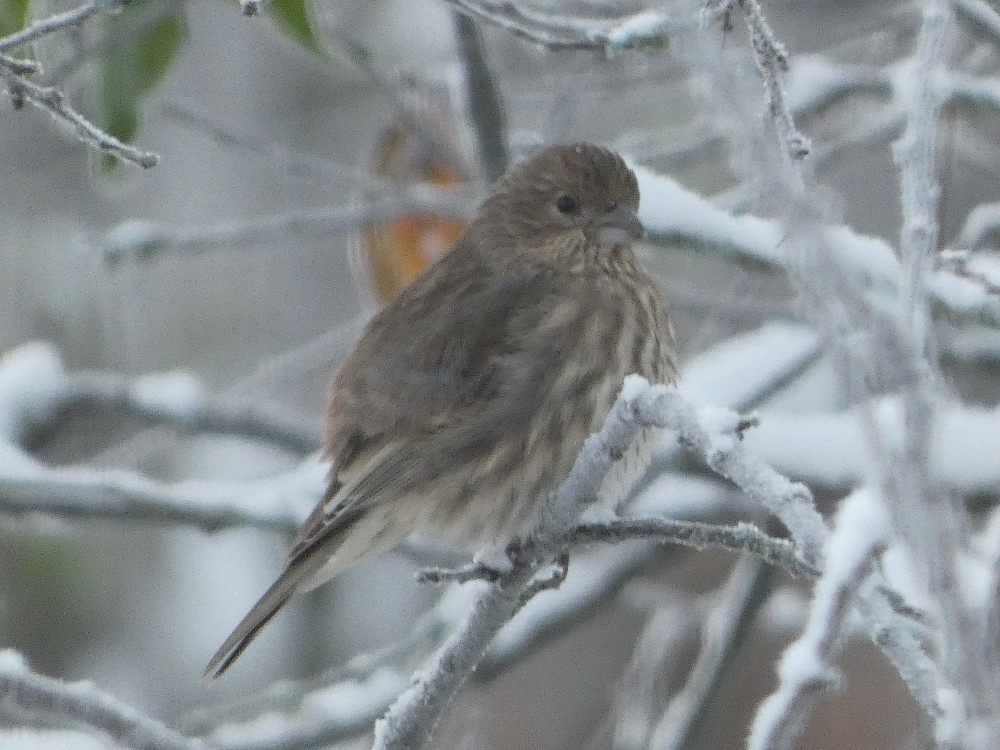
(566, 204)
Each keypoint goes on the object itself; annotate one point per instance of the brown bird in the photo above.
(467, 398)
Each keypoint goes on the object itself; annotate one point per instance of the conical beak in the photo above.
(619, 225)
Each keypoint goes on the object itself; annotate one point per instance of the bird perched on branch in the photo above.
(467, 398)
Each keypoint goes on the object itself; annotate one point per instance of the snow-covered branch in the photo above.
(807, 666)
(557, 31)
(712, 434)
(140, 240)
(55, 22)
(673, 214)
(36, 695)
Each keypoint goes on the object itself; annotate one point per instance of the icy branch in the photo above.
(807, 666)
(35, 390)
(914, 153)
(557, 31)
(138, 240)
(714, 435)
(84, 703)
(52, 100)
(52, 23)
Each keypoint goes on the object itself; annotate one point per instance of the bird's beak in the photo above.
(619, 225)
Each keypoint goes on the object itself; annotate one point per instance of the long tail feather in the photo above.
(261, 613)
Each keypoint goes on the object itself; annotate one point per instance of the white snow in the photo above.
(33, 383)
(648, 25)
(815, 78)
(11, 662)
(734, 370)
(23, 738)
(178, 392)
(829, 448)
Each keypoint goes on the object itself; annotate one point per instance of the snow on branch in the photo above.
(827, 449)
(85, 704)
(671, 213)
(55, 22)
(557, 31)
(714, 435)
(142, 240)
(806, 669)
(34, 391)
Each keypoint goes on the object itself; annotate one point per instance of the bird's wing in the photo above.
(406, 386)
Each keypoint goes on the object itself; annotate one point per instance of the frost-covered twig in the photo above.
(915, 155)
(52, 23)
(742, 537)
(807, 666)
(772, 61)
(52, 100)
(84, 703)
(557, 31)
(140, 240)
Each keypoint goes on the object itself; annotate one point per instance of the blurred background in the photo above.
(314, 108)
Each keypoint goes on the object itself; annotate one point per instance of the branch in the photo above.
(743, 537)
(674, 215)
(50, 99)
(647, 28)
(412, 719)
(84, 703)
(806, 669)
(723, 629)
(180, 400)
(914, 154)
(140, 240)
(54, 22)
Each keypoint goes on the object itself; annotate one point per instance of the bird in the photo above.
(467, 398)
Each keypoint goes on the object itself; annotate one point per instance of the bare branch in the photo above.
(138, 240)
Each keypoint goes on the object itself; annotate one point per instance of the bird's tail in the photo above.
(250, 626)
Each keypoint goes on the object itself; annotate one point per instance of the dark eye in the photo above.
(566, 204)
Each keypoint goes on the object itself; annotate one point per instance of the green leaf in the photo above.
(13, 16)
(144, 42)
(293, 18)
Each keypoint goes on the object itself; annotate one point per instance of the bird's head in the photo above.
(562, 199)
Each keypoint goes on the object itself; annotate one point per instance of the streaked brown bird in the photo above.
(467, 398)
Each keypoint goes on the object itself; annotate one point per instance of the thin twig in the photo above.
(556, 31)
(50, 99)
(53, 23)
(136, 240)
